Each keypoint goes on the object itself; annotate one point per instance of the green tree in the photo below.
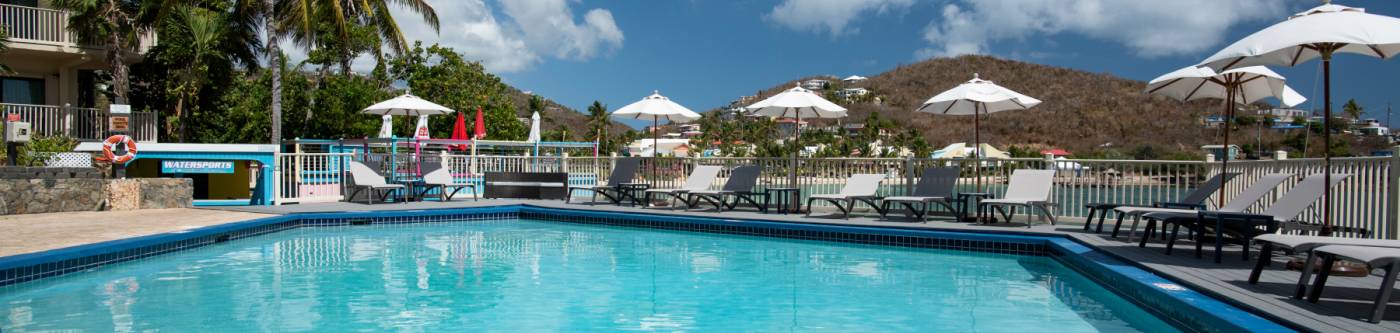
(1353, 109)
(441, 75)
(115, 24)
(199, 34)
(598, 123)
(4, 46)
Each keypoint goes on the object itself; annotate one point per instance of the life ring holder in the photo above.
(112, 142)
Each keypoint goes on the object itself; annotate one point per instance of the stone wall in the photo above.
(26, 190)
(149, 193)
(31, 196)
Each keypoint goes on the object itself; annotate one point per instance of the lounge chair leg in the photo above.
(1387, 286)
(1301, 289)
(1090, 220)
(1151, 223)
(1117, 225)
(1099, 229)
(1200, 239)
(1321, 281)
(1265, 252)
(1176, 230)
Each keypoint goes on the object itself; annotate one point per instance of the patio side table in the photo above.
(782, 198)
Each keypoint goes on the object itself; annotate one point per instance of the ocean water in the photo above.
(535, 276)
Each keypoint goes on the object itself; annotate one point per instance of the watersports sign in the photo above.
(193, 166)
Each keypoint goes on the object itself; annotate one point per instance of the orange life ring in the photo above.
(128, 152)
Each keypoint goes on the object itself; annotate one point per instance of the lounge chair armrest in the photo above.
(1179, 206)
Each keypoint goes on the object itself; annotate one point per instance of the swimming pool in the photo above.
(534, 271)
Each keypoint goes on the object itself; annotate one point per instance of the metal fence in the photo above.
(1368, 199)
(86, 124)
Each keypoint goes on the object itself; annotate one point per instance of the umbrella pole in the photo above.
(655, 146)
(1327, 142)
(977, 144)
(792, 171)
(1225, 160)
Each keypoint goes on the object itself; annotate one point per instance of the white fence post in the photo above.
(1392, 214)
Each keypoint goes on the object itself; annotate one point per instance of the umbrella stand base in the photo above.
(1342, 268)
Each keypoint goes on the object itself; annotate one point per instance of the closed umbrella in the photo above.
(459, 131)
(796, 103)
(1236, 86)
(1320, 32)
(479, 126)
(977, 97)
(534, 128)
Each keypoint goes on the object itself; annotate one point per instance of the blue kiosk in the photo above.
(223, 174)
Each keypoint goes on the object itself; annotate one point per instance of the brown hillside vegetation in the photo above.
(558, 115)
(1081, 111)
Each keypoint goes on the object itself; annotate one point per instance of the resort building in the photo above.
(851, 93)
(1282, 115)
(814, 84)
(663, 147)
(1218, 151)
(55, 82)
(854, 79)
(1372, 127)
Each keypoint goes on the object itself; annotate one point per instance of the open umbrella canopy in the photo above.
(977, 96)
(1310, 34)
(407, 105)
(655, 108)
(797, 103)
(1252, 84)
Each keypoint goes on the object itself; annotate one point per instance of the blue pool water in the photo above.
(532, 276)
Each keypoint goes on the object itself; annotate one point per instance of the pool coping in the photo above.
(1168, 299)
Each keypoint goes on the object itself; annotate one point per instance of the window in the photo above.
(21, 90)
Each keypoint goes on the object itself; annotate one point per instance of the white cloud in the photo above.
(830, 16)
(528, 32)
(1158, 28)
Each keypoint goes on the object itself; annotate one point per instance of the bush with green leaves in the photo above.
(38, 150)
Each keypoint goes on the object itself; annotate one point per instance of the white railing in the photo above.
(309, 177)
(79, 123)
(1368, 199)
(35, 25)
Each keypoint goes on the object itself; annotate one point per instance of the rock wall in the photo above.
(25, 190)
(31, 196)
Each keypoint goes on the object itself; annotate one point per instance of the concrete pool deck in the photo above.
(1346, 300)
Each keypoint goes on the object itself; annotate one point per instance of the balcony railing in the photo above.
(45, 26)
(85, 124)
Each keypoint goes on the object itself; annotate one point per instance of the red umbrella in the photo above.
(459, 132)
(480, 126)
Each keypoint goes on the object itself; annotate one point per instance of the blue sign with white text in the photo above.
(189, 166)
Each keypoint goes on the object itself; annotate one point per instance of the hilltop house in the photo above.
(55, 83)
(853, 79)
(851, 93)
(814, 84)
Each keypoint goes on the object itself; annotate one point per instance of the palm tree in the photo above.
(4, 46)
(1353, 109)
(294, 20)
(115, 24)
(598, 124)
(199, 34)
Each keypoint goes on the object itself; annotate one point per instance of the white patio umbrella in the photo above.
(534, 128)
(1316, 33)
(796, 103)
(407, 105)
(656, 108)
(1236, 86)
(977, 97)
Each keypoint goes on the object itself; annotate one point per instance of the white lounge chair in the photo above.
(1377, 257)
(1304, 244)
(1027, 188)
(699, 180)
(859, 188)
(367, 179)
(740, 185)
(1283, 213)
(442, 180)
(935, 187)
(1252, 194)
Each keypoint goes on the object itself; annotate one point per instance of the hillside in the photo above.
(557, 115)
(1086, 113)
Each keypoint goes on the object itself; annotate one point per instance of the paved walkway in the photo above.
(28, 233)
(1345, 302)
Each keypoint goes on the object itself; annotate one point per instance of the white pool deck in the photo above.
(1342, 309)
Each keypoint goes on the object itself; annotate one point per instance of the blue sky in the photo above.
(704, 53)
